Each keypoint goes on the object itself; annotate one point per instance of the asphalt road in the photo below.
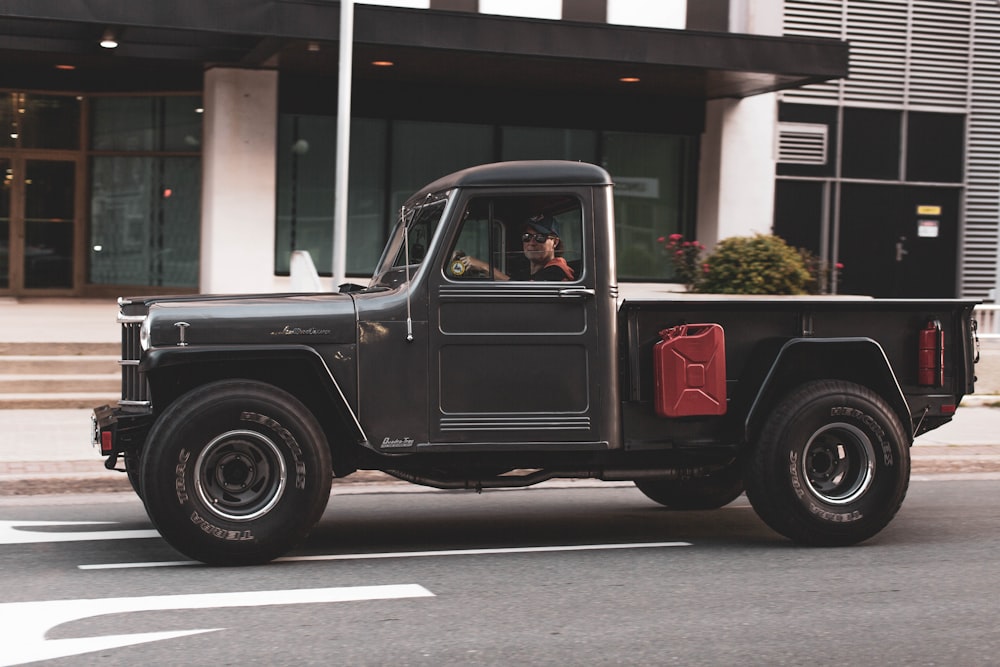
(582, 576)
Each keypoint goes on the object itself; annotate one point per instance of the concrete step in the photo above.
(60, 349)
(56, 383)
(57, 401)
(48, 364)
(59, 375)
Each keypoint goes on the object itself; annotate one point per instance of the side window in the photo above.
(480, 252)
(524, 238)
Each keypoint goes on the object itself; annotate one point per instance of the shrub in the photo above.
(685, 256)
(759, 264)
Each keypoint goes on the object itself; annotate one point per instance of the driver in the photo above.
(542, 248)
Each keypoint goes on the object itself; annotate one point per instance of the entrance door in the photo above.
(38, 225)
(899, 241)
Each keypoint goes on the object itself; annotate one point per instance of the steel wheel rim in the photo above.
(240, 475)
(838, 464)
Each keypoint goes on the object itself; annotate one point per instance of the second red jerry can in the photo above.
(690, 371)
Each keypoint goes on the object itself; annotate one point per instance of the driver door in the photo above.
(512, 362)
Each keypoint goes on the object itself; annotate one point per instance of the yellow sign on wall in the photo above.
(928, 210)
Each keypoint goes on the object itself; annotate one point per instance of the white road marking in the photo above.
(11, 532)
(25, 624)
(408, 554)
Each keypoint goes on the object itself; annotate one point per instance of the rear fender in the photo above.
(860, 360)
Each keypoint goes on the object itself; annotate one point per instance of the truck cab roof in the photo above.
(524, 172)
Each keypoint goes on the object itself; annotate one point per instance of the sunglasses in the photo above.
(537, 238)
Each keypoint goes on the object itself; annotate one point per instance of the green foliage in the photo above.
(685, 256)
(759, 264)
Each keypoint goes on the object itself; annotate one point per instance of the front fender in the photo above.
(194, 364)
(861, 360)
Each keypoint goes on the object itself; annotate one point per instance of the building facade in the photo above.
(199, 152)
(894, 171)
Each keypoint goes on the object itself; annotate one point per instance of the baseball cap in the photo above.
(545, 224)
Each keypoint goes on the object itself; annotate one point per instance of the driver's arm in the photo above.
(475, 264)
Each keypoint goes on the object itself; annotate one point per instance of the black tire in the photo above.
(236, 472)
(133, 468)
(696, 493)
(831, 466)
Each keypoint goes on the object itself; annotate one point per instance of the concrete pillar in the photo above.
(737, 170)
(736, 173)
(239, 180)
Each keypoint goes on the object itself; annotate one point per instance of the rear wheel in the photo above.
(831, 466)
(696, 493)
(236, 472)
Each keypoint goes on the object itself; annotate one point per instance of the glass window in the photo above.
(411, 239)
(935, 147)
(654, 175)
(39, 121)
(48, 254)
(544, 143)
(519, 238)
(49, 196)
(147, 123)
(7, 176)
(306, 192)
(871, 143)
(654, 197)
(422, 152)
(145, 221)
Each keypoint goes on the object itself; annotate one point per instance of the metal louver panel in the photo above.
(903, 52)
(877, 31)
(925, 55)
(802, 143)
(815, 18)
(939, 53)
(982, 193)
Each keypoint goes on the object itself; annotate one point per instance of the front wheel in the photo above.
(236, 472)
(831, 465)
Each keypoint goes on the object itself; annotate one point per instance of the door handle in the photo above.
(572, 292)
(901, 251)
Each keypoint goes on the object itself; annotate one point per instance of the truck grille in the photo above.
(135, 391)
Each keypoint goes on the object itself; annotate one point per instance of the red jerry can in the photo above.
(930, 353)
(690, 371)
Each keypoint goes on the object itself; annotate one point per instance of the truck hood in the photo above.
(270, 319)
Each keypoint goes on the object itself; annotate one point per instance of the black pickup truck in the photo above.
(459, 367)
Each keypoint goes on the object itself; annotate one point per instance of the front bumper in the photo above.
(115, 430)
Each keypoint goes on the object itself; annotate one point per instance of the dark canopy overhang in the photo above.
(169, 44)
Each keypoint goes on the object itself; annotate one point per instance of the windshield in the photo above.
(420, 222)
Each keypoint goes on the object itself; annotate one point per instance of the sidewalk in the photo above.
(49, 451)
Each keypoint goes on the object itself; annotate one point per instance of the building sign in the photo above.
(928, 229)
(637, 187)
(928, 210)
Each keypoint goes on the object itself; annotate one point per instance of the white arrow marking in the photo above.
(10, 533)
(25, 624)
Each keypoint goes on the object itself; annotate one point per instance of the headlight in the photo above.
(144, 334)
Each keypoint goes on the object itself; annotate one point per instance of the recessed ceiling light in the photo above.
(383, 63)
(629, 79)
(109, 40)
(66, 67)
